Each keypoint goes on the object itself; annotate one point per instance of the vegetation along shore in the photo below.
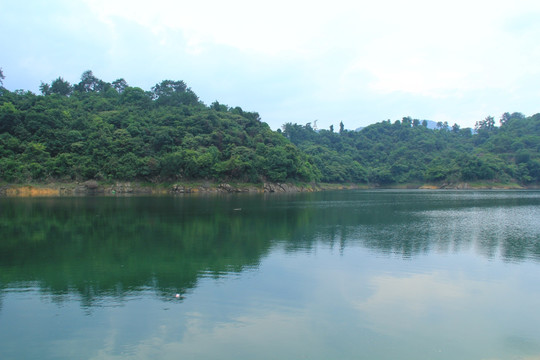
(100, 137)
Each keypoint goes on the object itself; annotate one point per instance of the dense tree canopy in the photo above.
(407, 151)
(112, 131)
(97, 130)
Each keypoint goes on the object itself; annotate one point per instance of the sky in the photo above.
(357, 62)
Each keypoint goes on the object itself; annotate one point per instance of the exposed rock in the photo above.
(121, 188)
(179, 189)
(91, 184)
(227, 188)
(290, 188)
(87, 187)
(269, 187)
(463, 186)
(80, 189)
(278, 187)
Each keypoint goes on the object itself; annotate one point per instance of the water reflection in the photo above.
(113, 247)
(383, 274)
(117, 246)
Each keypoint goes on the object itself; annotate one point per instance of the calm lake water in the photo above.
(330, 275)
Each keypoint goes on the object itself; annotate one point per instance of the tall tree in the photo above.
(487, 124)
(45, 88)
(504, 118)
(2, 77)
(219, 107)
(174, 93)
(120, 85)
(168, 88)
(90, 83)
(61, 87)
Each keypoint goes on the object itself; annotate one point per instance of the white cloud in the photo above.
(269, 27)
(434, 50)
(314, 60)
(399, 303)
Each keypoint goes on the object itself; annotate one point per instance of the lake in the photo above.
(383, 274)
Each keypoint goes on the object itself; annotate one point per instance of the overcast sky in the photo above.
(298, 61)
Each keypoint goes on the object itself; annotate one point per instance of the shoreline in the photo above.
(92, 187)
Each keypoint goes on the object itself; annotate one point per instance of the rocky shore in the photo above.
(92, 187)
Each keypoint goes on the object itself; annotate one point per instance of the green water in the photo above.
(331, 275)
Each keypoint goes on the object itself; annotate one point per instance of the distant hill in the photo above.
(407, 152)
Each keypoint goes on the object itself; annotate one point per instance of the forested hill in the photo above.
(407, 151)
(112, 131)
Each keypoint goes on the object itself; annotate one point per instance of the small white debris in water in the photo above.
(177, 296)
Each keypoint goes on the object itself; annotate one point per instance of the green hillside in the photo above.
(407, 151)
(112, 131)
